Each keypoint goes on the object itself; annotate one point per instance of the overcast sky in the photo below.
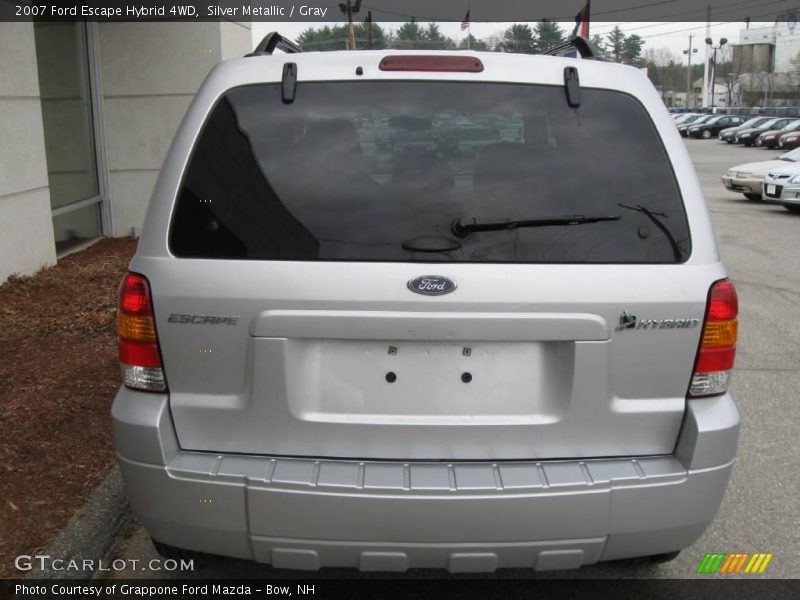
(674, 36)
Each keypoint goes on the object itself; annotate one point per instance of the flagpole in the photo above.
(588, 17)
(469, 25)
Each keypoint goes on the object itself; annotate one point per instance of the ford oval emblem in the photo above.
(431, 285)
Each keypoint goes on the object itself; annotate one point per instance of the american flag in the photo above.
(582, 21)
(465, 22)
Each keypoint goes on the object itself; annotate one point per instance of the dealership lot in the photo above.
(760, 245)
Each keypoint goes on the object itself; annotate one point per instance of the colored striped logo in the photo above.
(723, 563)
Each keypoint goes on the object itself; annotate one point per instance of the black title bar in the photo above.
(400, 10)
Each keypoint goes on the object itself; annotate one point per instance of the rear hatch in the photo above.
(350, 278)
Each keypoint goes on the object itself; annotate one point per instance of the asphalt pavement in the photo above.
(760, 246)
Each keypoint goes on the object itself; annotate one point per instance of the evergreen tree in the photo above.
(546, 35)
(632, 49)
(325, 38)
(474, 44)
(410, 36)
(616, 41)
(335, 38)
(380, 38)
(600, 45)
(518, 38)
(435, 40)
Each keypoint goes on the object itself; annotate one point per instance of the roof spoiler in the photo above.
(584, 47)
(275, 40)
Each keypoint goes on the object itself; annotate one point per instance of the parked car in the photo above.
(748, 136)
(789, 141)
(332, 361)
(684, 127)
(749, 177)
(683, 118)
(727, 135)
(771, 139)
(782, 186)
(713, 126)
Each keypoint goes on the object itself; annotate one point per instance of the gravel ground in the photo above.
(58, 374)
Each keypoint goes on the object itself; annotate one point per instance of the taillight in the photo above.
(137, 339)
(717, 352)
(416, 62)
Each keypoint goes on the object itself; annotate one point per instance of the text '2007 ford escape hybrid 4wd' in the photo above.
(407, 309)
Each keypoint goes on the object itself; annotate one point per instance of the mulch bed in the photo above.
(58, 376)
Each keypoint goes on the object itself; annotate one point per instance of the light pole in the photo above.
(731, 83)
(710, 42)
(348, 9)
(689, 70)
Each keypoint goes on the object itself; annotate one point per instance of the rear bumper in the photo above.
(391, 516)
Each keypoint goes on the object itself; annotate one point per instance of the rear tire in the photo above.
(753, 197)
(199, 559)
(706, 135)
(793, 209)
(665, 557)
(643, 560)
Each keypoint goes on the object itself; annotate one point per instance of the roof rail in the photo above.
(584, 47)
(275, 40)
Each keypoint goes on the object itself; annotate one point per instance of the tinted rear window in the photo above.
(380, 170)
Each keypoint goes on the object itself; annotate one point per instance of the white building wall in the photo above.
(757, 35)
(787, 45)
(149, 74)
(785, 39)
(26, 229)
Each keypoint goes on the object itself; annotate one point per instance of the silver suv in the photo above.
(341, 351)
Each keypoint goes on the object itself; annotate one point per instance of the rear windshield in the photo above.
(395, 170)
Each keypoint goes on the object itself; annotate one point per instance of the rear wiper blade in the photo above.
(656, 217)
(460, 229)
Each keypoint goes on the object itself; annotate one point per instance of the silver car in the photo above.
(782, 186)
(340, 354)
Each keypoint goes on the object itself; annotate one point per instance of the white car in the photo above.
(782, 186)
(749, 177)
